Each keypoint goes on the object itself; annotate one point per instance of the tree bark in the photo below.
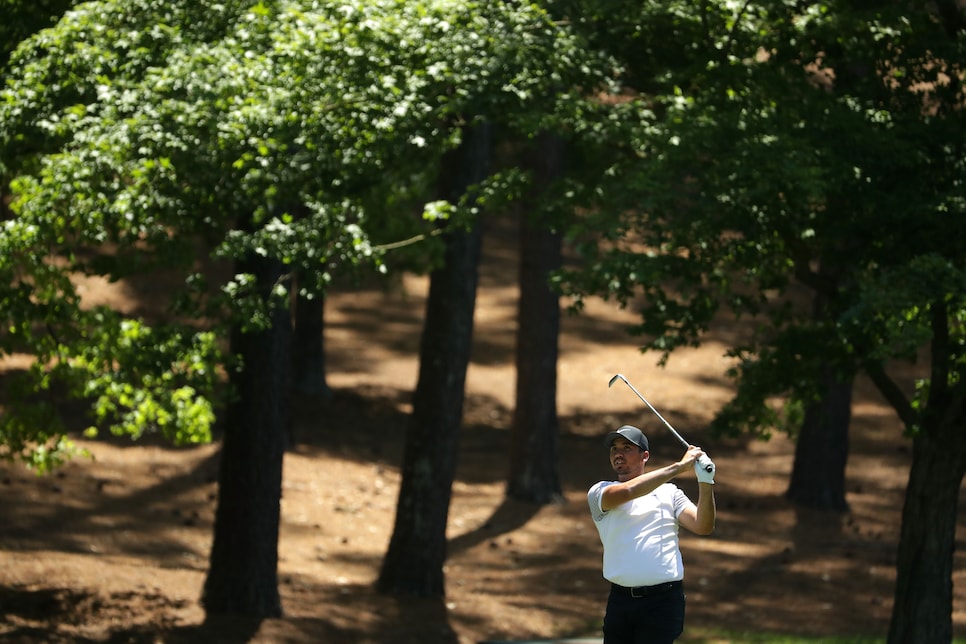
(922, 611)
(534, 437)
(822, 449)
(243, 572)
(923, 606)
(413, 563)
(308, 344)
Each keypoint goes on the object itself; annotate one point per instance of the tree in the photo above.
(308, 354)
(534, 435)
(417, 550)
(134, 134)
(803, 134)
(822, 444)
(535, 57)
(250, 476)
(124, 151)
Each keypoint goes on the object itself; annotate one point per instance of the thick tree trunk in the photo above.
(243, 572)
(822, 450)
(308, 347)
(417, 549)
(922, 611)
(534, 438)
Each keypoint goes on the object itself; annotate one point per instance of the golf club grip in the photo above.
(708, 466)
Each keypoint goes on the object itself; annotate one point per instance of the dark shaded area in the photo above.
(59, 607)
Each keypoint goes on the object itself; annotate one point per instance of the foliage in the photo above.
(804, 173)
(797, 153)
(143, 135)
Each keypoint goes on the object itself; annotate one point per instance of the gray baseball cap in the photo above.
(633, 434)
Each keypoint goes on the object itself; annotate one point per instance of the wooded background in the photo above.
(799, 165)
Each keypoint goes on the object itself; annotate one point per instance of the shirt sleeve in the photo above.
(593, 500)
(679, 501)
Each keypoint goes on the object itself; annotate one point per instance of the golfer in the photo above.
(638, 516)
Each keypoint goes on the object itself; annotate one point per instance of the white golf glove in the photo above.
(704, 469)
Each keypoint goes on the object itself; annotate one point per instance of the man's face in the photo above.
(627, 459)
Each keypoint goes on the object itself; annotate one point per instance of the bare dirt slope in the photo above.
(115, 549)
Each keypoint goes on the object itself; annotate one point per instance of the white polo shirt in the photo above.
(640, 537)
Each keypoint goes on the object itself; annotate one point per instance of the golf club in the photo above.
(707, 466)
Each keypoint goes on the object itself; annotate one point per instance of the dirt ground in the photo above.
(115, 549)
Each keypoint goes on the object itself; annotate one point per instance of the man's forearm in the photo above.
(707, 513)
(620, 493)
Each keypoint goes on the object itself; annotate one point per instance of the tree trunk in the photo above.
(534, 439)
(822, 450)
(922, 611)
(308, 347)
(243, 572)
(417, 549)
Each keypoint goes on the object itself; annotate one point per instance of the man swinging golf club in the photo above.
(638, 517)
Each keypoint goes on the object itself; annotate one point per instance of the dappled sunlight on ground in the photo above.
(116, 548)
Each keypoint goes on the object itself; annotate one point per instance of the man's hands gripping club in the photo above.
(704, 469)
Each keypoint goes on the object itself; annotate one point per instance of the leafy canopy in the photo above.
(167, 135)
(790, 156)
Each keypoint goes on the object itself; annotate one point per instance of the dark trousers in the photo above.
(649, 615)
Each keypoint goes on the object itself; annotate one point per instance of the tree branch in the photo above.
(892, 393)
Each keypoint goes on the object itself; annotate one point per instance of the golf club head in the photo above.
(613, 380)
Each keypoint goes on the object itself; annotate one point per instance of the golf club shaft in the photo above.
(651, 407)
(704, 461)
